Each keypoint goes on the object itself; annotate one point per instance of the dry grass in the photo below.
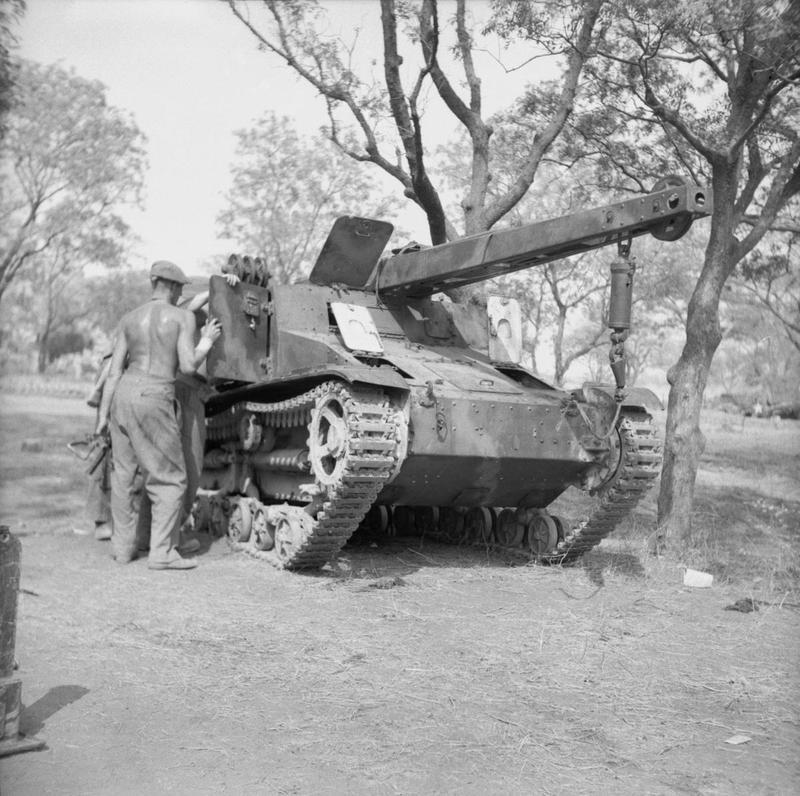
(469, 673)
(467, 676)
(47, 485)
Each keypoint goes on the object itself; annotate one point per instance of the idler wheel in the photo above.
(240, 521)
(542, 534)
(451, 524)
(263, 536)
(478, 525)
(508, 532)
(605, 472)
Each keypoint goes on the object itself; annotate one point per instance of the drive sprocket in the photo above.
(356, 442)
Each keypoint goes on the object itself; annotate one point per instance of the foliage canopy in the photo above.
(69, 162)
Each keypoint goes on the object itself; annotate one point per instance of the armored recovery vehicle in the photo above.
(360, 396)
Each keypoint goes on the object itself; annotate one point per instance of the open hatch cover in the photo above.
(351, 251)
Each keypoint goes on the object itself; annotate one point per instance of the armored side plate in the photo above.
(240, 354)
(351, 251)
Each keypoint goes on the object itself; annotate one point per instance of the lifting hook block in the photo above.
(622, 270)
(619, 311)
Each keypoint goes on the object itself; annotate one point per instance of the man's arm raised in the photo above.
(190, 357)
(201, 299)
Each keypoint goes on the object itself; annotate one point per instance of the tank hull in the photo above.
(362, 393)
(422, 417)
(487, 449)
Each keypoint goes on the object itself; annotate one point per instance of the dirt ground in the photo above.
(409, 667)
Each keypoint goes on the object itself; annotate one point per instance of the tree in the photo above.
(55, 301)
(69, 162)
(761, 325)
(287, 192)
(710, 87)
(706, 88)
(294, 31)
(56, 311)
(772, 277)
(109, 296)
(10, 12)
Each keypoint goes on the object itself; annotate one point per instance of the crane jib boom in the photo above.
(666, 213)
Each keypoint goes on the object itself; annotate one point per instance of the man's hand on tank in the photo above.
(232, 279)
(209, 334)
(212, 329)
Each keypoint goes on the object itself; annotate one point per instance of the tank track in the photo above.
(639, 467)
(370, 456)
(375, 431)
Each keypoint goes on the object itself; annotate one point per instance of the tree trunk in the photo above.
(558, 346)
(41, 355)
(684, 442)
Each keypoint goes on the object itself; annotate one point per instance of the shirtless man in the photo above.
(157, 341)
(191, 393)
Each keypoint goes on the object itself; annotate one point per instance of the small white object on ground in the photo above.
(735, 740)
(697, 579)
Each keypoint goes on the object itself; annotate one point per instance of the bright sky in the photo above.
(190, 74)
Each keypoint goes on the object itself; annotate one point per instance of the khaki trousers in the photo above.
(192, 416)
(145, 432)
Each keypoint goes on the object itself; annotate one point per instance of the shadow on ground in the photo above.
(35, 715)
(599, 562)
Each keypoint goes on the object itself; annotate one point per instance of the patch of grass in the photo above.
(46, 487)
(467, 675)
(739, 535)
(756, 445)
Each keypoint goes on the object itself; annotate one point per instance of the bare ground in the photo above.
(410, 667)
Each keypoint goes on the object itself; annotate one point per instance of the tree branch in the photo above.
(785, 185)
(579, 53)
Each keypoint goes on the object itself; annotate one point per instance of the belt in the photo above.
(140, 375)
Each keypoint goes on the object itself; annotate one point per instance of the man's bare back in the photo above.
(159, 339)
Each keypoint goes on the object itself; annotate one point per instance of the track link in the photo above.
(639, 467)
(366, 458)
(309, 537)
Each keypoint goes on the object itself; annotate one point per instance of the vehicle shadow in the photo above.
(381, 556)
(599, 562)
(36, 714)
(385, 557)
